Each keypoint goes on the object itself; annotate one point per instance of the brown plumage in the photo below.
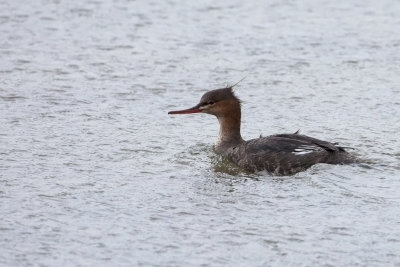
(282, 154)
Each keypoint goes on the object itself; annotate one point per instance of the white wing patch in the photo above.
(303, 150)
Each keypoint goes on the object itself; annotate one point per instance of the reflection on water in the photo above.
(220, 164)
(94, 172)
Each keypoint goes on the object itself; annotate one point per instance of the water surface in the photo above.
(94, 172)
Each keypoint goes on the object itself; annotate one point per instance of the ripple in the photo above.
(12, 98)
(94, 172)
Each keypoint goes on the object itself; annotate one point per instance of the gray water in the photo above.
(93, 172)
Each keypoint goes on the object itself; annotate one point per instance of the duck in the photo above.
(279, 154)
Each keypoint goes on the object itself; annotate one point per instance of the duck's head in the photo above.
(218, 102)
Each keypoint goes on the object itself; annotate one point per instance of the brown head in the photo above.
(218, 102)
(226, 107)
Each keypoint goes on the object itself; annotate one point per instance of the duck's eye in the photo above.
(210, 103)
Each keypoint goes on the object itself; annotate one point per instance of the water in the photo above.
(94, 172)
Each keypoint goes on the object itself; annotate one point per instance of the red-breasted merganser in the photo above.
(282, 154)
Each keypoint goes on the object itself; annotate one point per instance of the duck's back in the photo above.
(286, 153)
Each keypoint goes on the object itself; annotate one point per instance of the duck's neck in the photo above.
(229, 131)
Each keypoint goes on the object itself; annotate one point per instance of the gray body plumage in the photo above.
(283, 154)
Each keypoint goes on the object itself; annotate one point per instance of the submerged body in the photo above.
(282, 154)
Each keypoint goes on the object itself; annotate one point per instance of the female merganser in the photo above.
(282, 154)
